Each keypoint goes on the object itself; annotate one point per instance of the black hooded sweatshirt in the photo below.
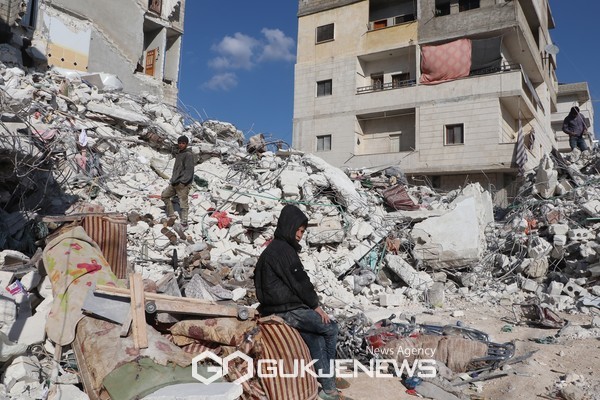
(574, 123)
(281, 282)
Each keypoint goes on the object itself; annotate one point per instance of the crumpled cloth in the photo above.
(224, 220)
(74, 264)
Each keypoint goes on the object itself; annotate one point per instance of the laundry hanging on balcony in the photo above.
(459, 58)
(445, 62)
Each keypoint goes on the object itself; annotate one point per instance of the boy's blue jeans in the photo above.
(320, 338)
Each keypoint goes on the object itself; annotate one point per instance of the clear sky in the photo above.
(238, 59)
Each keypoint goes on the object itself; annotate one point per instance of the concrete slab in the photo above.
(198, 391)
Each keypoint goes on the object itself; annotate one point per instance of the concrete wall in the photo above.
(112, 36)
(9, 10)
(121, 20)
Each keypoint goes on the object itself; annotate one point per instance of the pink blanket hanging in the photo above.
(445, 62)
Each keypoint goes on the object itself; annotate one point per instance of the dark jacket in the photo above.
(183, 170)
(574, 124)
(281, 282)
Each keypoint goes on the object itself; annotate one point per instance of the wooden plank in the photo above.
(176, 306)
(115, 291)
(138, 312)
(181, 305)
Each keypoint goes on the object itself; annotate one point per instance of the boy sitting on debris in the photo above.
(283, 288)
(181, 181)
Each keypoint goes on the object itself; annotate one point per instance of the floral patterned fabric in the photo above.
(74, 263)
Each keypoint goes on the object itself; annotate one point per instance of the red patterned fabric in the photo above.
(445, 62)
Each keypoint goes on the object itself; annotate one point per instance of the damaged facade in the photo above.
(372, 88)
(139, 41)
(101, 293)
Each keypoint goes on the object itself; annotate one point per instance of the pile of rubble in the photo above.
(373, 242)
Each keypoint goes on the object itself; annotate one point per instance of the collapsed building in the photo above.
(85, 167)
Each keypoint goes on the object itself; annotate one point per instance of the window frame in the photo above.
(325, 92)
(449, 130)
(377, 80)
(396, 82)
(325, 144)
(328, 39)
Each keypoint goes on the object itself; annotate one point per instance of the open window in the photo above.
(384, 13)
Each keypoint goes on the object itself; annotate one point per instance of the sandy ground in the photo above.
(573, 362)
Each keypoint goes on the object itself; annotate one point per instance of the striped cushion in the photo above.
(110, 233)
(282, 342)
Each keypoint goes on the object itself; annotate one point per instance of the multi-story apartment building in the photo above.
(374, 86)
(137, 40)
(570, 95)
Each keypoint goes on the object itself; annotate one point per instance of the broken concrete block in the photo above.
(329, 230)
(9, 349)
(537, 268)
(33, 327)
(555, 288)
(529, 285)
(559, 240)
(436, 240)
(592, 208)
(539, 248)
(574, 290)
(558, 229)
(413, 278)
(546, 178)
(23, 368)
(562, 302)
(238, 293)
(362, 230)
(435, 295)
(259, 219)
(66, 392)
(198, 391)
(389, 300)
(581, 235)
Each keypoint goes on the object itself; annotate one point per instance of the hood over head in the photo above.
(574, 111)
(290, 219)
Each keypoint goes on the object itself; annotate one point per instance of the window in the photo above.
(442, 7)
(466, 5)
(380, 24)
(400, 19)
(455, 134)
(324, 88)
(324, 143)
(324, 33)
(399, 80)
(377, 81)
(155, 6)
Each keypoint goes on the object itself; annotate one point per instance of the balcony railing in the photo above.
(386, 86)
(412, 82)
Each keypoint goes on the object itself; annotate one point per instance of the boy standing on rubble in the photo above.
(181, 181)
(283, 288)
(574, 126)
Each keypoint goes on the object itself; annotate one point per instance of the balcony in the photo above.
(399, 84)
(386, 86)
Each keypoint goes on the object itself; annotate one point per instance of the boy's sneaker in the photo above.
(337, 395)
